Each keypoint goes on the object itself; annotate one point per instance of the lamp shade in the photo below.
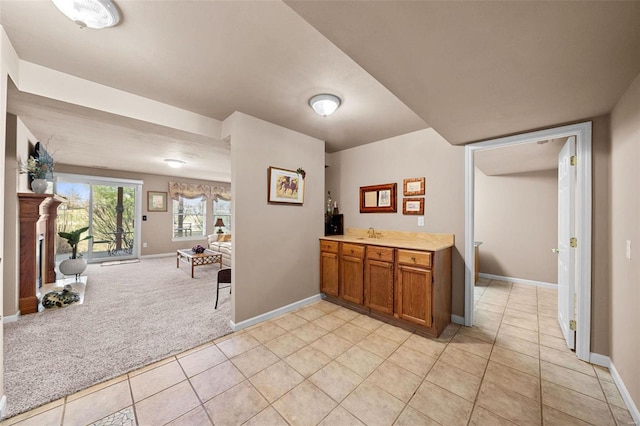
(219, 222)
(325, 104)
(90, 13)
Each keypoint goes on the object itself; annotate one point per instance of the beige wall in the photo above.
(600, 244)
(157, 229)
(19, 140)
(275, 251)
(516, 218)
(625, 226)
(420, 154)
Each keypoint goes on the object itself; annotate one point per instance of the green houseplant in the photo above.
(75, 265)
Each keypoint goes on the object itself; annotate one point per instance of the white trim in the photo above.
(11, 318)
(519, 280)
(582, 132)
(457, 319)
(601, 360)
(3, 406)
(153, 256)
(624, 392)
(276, 312)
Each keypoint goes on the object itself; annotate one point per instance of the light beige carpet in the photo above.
(132, 315)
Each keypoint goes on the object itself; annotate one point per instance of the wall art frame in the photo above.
(413, 206)
(156, 201)
(414, 186)
(378, 198)
(284, 186)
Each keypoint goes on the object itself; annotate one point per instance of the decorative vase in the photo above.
(73, 266)
(39, 186)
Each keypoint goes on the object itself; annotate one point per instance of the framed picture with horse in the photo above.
(285, 186)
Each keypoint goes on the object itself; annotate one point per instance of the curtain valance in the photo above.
(191, 190)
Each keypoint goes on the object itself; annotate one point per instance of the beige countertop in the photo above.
(395, 239)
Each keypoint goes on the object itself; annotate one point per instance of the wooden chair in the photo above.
(224, 277)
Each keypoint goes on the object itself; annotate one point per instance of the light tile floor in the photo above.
(327, 365)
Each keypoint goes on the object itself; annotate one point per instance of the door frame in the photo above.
(582, 132)
(101, 180)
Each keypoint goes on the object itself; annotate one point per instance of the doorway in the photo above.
(108, 207)
(582, 133)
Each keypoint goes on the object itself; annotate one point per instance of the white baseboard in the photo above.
(518, 280)
(11, 318)
(3, 406)
(274, 313)
(152, 256)
(456, 319)
(601, 360)
(605, 361)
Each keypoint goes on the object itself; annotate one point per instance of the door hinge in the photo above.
(574, 160)
(572, 325)
(573, 242)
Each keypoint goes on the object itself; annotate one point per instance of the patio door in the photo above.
(109, 209)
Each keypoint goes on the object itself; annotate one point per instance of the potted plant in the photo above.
(75, 265)
(37, 168)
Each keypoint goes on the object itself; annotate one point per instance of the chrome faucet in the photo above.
(372, 233)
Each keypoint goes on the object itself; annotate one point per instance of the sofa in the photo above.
(222, 244)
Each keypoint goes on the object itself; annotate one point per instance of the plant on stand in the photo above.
(75, 265)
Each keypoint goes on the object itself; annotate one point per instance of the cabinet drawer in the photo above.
(330, 246)
(384, 254)
(352, 250)
(416, 258)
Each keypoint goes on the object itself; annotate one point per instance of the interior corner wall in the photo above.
(600, 236)
(516, 218)
(625, 226)
(419, 154)
(275, 249)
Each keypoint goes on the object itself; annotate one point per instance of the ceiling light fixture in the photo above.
(325, 104)
(89, 13)
(174, 163)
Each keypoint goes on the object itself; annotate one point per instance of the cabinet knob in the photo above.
(351, 251)
(379, 254)
(413, 259)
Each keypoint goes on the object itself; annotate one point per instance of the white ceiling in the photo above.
(472, 70)
(521, 158)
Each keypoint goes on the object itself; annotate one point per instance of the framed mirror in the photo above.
(378, 198)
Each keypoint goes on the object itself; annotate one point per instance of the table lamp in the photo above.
(220, 224)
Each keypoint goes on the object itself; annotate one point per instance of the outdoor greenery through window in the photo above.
(222, 209)
(109, 212)
(189, 217)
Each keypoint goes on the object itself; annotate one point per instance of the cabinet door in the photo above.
(378, 278)
(352, 280)
(329, 273)
(414, 295)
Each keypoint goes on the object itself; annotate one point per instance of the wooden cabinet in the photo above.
(378, 279)
(352, 273)
(329, 267)
(410, 288)
(414, 295)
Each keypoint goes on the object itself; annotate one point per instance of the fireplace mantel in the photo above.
(38, 213)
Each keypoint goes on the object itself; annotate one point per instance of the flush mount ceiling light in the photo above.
(174, 163)
(324, 104)
(89, 13)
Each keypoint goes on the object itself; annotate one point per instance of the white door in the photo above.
(566, 254)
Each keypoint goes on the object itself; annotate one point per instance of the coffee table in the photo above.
(198, 259)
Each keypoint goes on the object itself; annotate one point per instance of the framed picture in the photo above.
(284, 186)
(156, 201)
(378, 198)
(414, 186)
(413, 206)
